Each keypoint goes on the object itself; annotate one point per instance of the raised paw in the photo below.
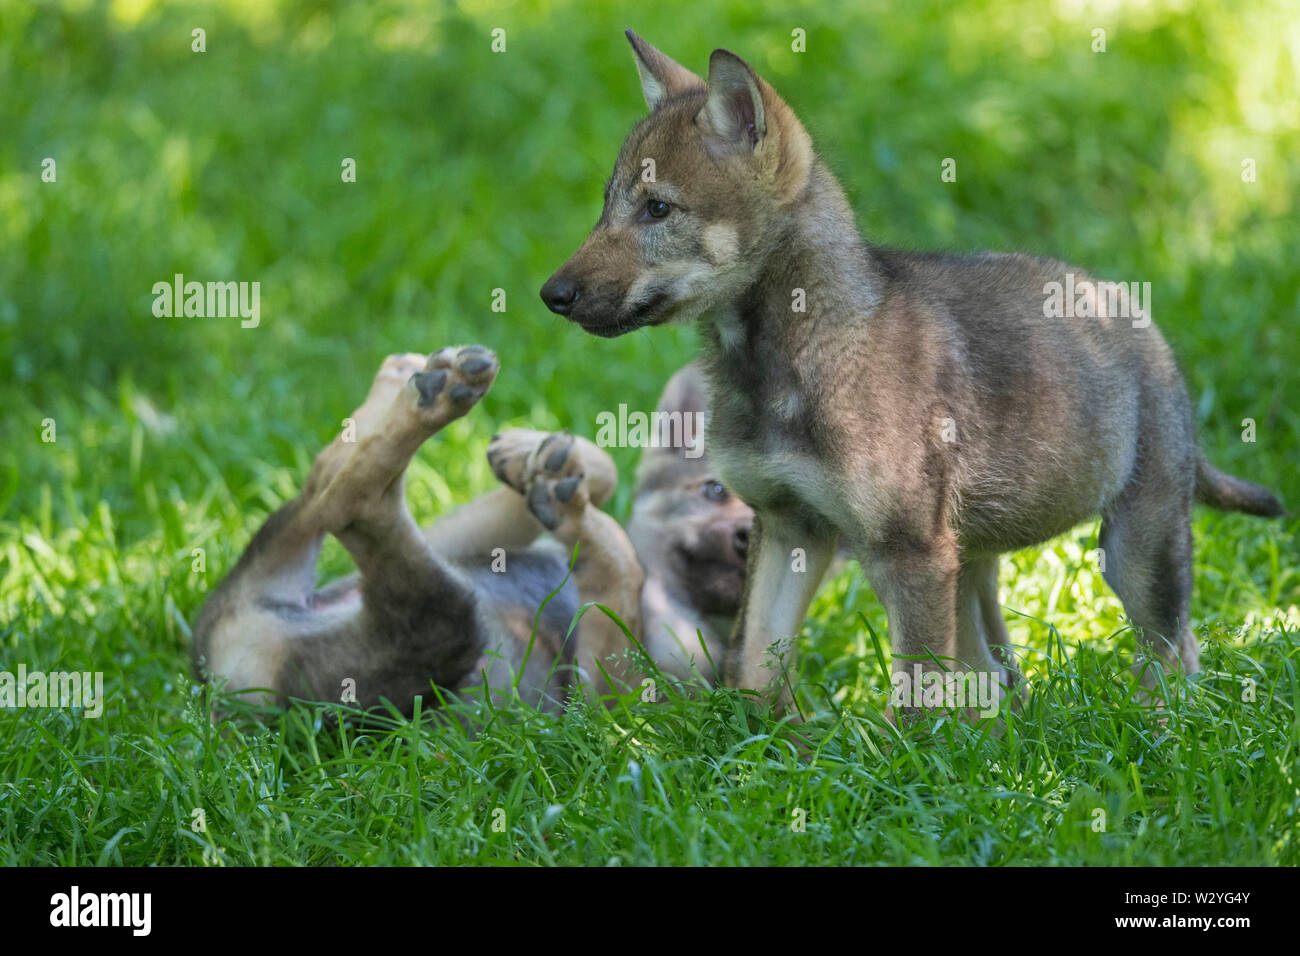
(395, 372)
(509, 452)
(368, 418)
(450, 383)
(554, 485)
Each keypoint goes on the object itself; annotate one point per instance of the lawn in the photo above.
(140, 453)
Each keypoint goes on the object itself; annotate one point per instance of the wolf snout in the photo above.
(560, 294)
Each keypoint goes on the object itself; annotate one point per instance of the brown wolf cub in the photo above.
(923, 407)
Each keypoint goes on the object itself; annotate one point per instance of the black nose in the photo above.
(560, 294)
(740, 540)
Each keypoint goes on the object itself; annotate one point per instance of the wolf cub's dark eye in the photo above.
(657, 208)
(714, 491)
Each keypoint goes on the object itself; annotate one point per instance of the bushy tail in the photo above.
(1223, 491)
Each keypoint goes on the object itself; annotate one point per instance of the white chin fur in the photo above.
(694, 289)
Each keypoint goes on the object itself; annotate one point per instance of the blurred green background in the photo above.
(479, 170)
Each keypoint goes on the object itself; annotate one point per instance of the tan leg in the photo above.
(240, 634)
(508, 454)
(785, 568)
(500, 518)
(555, 487)
(392, 376)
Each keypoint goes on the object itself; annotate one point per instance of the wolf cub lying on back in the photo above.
(455, 604)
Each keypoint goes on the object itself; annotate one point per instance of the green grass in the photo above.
(479, 171)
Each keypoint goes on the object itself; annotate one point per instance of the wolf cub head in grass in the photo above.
(693, 206)
(684, 520)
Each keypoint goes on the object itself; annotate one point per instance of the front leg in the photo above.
(784, 570)
(917, 581)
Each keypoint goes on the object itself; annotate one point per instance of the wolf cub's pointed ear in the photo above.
(687, 396)
(667, 463)
(733, 117)
(661, 76)
(744, 116)
(686, 392)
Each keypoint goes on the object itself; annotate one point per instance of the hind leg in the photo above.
(982, 638)
(551, 478)
(424, 614)
(392, 376)
(241, 633)
(500, 519)
(1146, 544)
(414, 620)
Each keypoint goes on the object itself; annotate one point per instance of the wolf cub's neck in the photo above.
(819, 271)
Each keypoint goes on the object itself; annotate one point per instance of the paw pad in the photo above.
(565, 487)
(555, 461)
(463, 393)
(429, 385)
(554, 481)
(452, 380)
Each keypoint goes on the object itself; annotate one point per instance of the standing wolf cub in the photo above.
(920, 406)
